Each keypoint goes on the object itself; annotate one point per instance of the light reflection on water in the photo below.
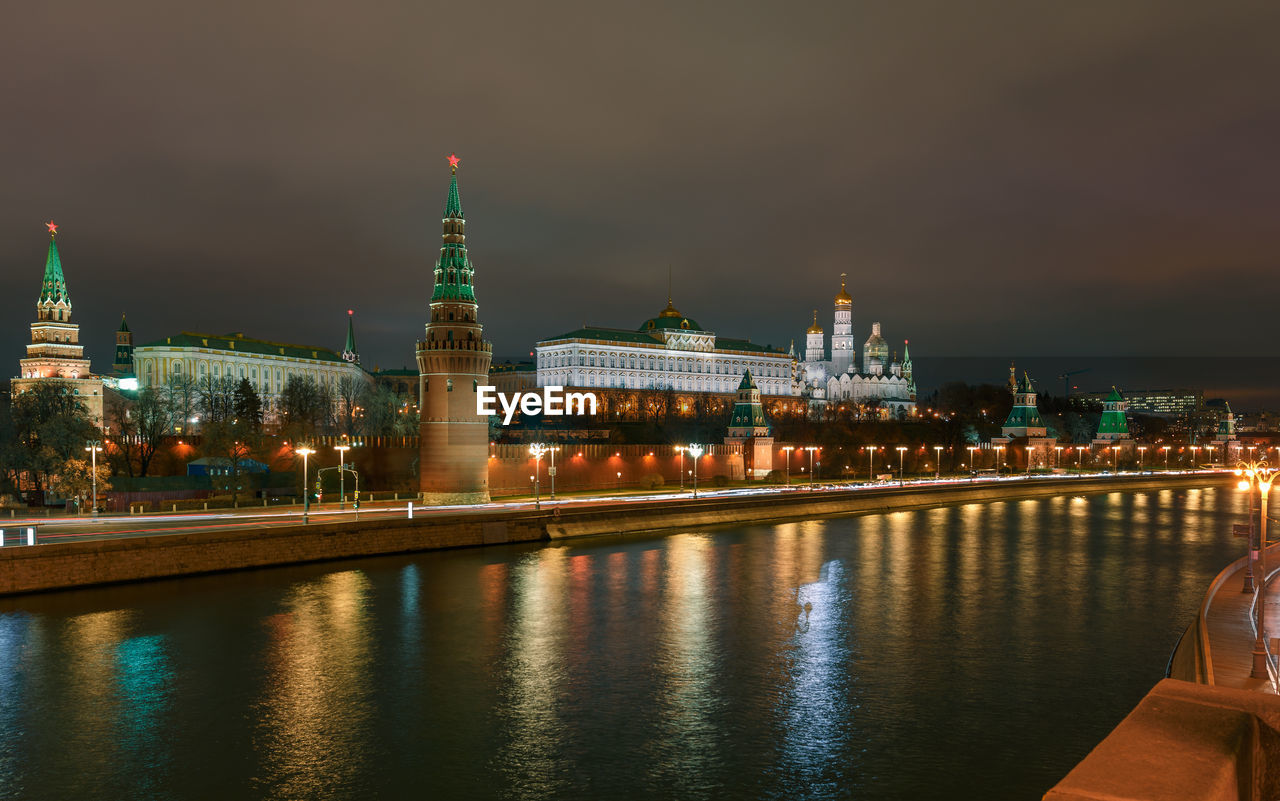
(905, 655)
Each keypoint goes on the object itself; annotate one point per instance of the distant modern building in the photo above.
(667, 352)
(749, 428)
(55, 354)
(1168, 403)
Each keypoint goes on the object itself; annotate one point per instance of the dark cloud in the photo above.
(1015, 178)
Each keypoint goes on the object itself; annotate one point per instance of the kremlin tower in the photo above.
(842, 347)
(453, 360)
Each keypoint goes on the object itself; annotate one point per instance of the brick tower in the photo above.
(453, 456)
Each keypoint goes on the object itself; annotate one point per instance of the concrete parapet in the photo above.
(1185, 742)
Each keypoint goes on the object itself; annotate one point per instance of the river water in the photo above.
(976, 651)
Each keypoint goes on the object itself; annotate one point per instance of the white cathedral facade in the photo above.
(882, 378)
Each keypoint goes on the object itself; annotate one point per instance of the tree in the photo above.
(248, 406)
(348, 394)
(123, 430)
(215, 398)
(50, 426)
(183, 397)
(301, 408)
(154, 419)
(74, 479)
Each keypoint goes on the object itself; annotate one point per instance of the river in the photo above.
(976, 651)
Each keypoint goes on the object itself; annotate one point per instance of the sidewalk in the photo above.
(1231, 633)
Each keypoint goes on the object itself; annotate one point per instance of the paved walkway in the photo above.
(1231, 632)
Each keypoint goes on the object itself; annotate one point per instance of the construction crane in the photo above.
(1066, 381)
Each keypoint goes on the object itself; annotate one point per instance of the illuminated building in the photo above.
(55, 354)
(749, 428)
(667, 352)
(453, 361)
(883, 380)
(1025, 423)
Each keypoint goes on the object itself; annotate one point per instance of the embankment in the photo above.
(79, 564)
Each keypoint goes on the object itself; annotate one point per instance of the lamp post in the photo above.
(695, 451)
(1261, 475)
(306, 493)
(536, 451)
(938, 472)
(973, 462)
(1057, 461)
(811, 449)
(342, 475)
(94, 448)
(1079, 456)
(1142, 451)
(787, 449)
(1166, 457)
(902, 460)
(1115, 458)
(680, 450)
(1029, 451)
(999, 460)
(871, 458)
(1209, 448)
(1194, 448)
(551, 471)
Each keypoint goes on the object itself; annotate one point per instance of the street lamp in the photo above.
(1166, 456)
(342, 475)
(1079, 456)
(999, 459)
(94, 448)
(973, 462)
(1115, 458)
(1194, 448)
(1261, 475)
(536, 450)
(938, 472)
(1142, 451)
(1057, 462)
(1209, 448)
(871, 457)
(306, 493)
(788, 449)
(695, 451)
(680, 450)
(902, 456)
(811, 449)
(1028, 451)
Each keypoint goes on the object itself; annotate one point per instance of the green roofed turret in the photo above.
(1114, 424)
(54, 288)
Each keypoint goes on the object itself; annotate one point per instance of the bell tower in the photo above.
(453, 360)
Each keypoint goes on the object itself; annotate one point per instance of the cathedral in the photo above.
(883, 380)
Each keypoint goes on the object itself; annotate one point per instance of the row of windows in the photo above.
(692, 383)
(675, 364)
(269, 382)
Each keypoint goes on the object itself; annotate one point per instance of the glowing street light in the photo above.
(811, 449)
(94, 448)
(1142, 451)
(1209, 449)
(1057, 462)
(902, 457)
(871, 457)
(788, 449)
(1115, 458)
(680, 450)
(1166, 456)
(342, 474)
(973, 462)
(1000, 459)
(938, 450)
(306, 491)
(1194, 448)
(536, 450)
(1261, 475)
(695, 451)
(1079, 456)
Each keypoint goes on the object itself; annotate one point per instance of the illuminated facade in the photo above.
(453, 361)
(55, 353)
(667, 352)
(883, 380)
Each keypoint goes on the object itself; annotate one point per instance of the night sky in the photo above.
(998, 179)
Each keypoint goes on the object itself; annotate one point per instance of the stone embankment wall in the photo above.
(77, 564)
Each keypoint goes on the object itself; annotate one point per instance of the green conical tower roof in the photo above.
(453, 206)
(1114, 396)
(54, 288)
(747, 382)
(124, 327)
(350, 347)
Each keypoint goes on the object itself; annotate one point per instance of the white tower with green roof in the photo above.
(843, 349)
(1024, 426)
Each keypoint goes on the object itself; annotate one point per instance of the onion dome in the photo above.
(815, 328)
(670, 317)
(843, 299)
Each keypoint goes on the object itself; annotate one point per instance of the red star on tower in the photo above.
(53, 228)
(453, 161)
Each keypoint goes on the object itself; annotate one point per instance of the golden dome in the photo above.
(843, 298)
(670, 311)
(815, 328)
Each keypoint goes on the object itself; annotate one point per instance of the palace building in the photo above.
(55, 353)
(667, 352)
(267, 365)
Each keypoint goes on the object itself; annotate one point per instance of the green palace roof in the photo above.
(238, 343)
(623, 335)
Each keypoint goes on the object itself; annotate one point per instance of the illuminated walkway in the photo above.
(1231, 632)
